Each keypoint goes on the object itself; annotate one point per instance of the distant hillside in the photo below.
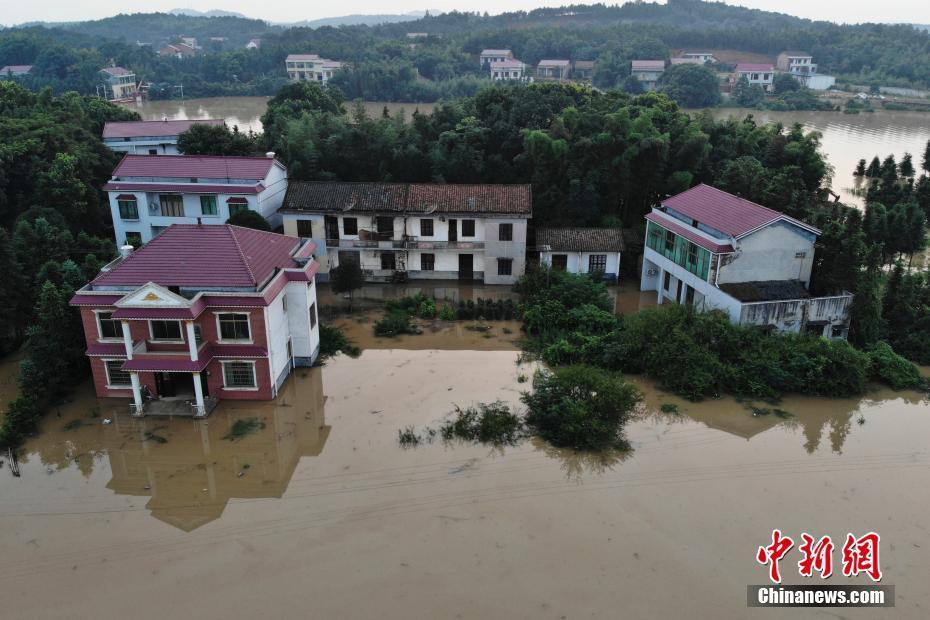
(155, 28)
(210, 13)
(357, 20)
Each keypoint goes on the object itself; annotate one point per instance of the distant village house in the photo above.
(149, 137)
(758, 74)
(510, 69)
(489, 56)
(15, 71)
(119, 84)
(582, 250)
(647, 72)
(556, 70)
(310, 68)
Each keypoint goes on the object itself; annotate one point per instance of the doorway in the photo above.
(331, 226)
(175, 384)
(560, 262)
(466, 267)
(453, 230)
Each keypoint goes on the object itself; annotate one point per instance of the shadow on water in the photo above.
(189, 469)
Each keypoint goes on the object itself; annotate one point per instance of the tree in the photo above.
(249, 219)
(866, 326)
(785, 83)
(746, 94)
(632, 84)
(692, 86)
(14, 308)
(202, 139)
(925, 164)
(860, 169)
(347, 277)
(875, 168)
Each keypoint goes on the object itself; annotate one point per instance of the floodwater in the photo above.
(322, 514)
(246, 112)
(847, 138)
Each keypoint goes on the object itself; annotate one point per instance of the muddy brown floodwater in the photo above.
(319, 513)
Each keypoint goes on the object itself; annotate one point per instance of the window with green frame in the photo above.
(128, 209)
(208, 205)
(679, 250)
(237, 207)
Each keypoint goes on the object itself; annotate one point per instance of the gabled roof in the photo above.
(749, 67)
(117, 71)
(335, 197)
(796, 54)
(648, 65)
(584, 64)
(580, 239)
(14, 69)
(510, 63)
(136, 129)
(293, 57)
(554, 63)
(691, 234)
(194, 166)
(490, 52)
(219, 255)
(727, 213)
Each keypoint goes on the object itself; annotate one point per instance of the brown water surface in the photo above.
(333, 519)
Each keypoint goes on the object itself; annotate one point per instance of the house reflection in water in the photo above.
(192, 468)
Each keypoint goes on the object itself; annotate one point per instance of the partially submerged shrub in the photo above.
(394, 323)
(447, 313)
(20, 420)
(491, 423)
(580, 407)
(891, 368)
(408, 437)
(332, 341)
(244, 427)
(668, 408)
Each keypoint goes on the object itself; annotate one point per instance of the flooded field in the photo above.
(246, 112)
(318, 511)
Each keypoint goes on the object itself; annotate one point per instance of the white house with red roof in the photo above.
(148, 194)
(150, 137)
(118, 83)
(14, 71)
(201, 314)
(509, 69)
(758, 74)
(715, 251)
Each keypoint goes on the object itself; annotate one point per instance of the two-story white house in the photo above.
(395, 231)
(490, 56)
(758, 74)
(148, 194)
(553, 70)
(118, 83)
(311, 68)
(149, 137)
(797, 63)
(511, 69)
(581, 250)
(715, 251)
(647, 72)
(702, 57)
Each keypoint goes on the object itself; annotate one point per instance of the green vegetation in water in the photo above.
(478, 327)
(521, 378)
(152, 436)
(668, 408)
(333, 341)
(395, 323)
(244, 427)
(75, 424)
(408, 437)
(491, 423)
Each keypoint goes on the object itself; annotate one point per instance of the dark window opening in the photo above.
(349, 226)
(505, 232)
(504, 266)
(468, 228)
(427, 262)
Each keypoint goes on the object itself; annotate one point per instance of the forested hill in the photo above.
(384, 67)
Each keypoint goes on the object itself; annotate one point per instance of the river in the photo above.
(320, 513)
(846, 138)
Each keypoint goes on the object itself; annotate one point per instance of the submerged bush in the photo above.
(20, 420)
(491, 423)
(891, 368)
(447, 313)
(332, 341)
(580, 407)
(395, 323)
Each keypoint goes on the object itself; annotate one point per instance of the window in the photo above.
(116, 377)
(468, 228)
(128, 209)
(109, 327)
(387, 261)
(668, 281)
(427, 262)
(560, 262)
(234, 326)
(426, 227)
(134, 239)
(597, 263)
(800, 254)
(165, 330)
(237, 207)
(172, 205)
(669, 241)
(692, 254)
(385, 226)
(312, 315)
(153, 151)
(304, 228)
(239, 375)
(505, 232)
(349, 226)
(504, 266)
(208, 205)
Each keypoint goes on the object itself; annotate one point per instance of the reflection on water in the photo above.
(190, 469)
(847, 138)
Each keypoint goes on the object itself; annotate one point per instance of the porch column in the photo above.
(136, 390)
(198, 392)
(191, 340)
(661, 284)
(127, 339)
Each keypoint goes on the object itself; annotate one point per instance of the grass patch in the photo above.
(243, 428)
(395, 323)
(491, 423)
(408, 437)
(669, 408)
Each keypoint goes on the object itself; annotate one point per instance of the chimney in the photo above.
(125, 250)
(270, 154)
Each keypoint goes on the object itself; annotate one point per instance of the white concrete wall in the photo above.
(278, 334)
(163, 146)
(770, 254)
(271, 199)
(300, 299)
(578, 262)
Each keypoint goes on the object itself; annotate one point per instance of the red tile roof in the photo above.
(194, 166)
(219, 255)
(690, 234)
(648, 65)
(15, 69)
(116, 71)
(725, 212)
(137, 129)
(754, 66)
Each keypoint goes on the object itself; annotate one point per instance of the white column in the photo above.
(198, 392)
(191, 340)
(127, 339)
(136, 390)
(661, 285)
